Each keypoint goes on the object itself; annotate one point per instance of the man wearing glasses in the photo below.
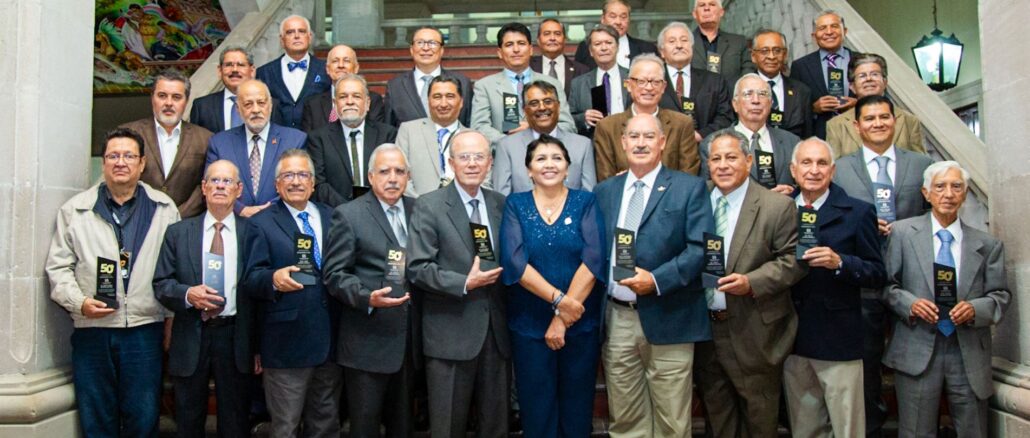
(320, 109)
(790, 108)
(219, 111)
(101, 267)
(646, 85)
(407, 94)
(696, 92)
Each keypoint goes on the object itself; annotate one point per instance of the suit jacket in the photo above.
(829, 302)
(713, 109)
(234, 145)
(182, 183)
(296, 329)
(981, 282)
(852, 176)
(843, 137)
(670, 245)
(680, 146)
(783, 144)
(454, 323)
(209, 112)
(417, 138)
(797, 108)
(572, 69)
(179, 267)
(734, 56)
(510, 174)
(290, 109)
(636, 47)
(404, 104)
(330, 152)
(317, 108)
(809, 70)
(488, 104)
(377, 340)
(580, 99)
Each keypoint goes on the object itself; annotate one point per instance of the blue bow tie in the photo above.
(303, 65)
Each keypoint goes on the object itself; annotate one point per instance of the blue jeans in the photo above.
(117, 375)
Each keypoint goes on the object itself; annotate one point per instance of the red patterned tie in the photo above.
(217, 247)
(332, 115)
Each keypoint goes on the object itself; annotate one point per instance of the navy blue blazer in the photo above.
(209, 112)
(670, 242)
(296, 329)
(291, 111)
(808, 70)
(828, 303)
(234, 145)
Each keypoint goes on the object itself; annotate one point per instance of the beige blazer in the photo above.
(680, 145)
(843, 137)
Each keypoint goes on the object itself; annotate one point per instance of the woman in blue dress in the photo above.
(552, 254)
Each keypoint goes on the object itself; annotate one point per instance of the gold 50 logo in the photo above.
(945, 275)
(765, 160)
(715, 245)
(511, 101)
(835, 75)
(808, 218)
(107, 268)
(394, 255)
(304, 243)
(479, 234)
(625, 239)
(688, 105)
(776, 117)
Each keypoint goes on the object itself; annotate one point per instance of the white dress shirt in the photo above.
(418, 78)
(168, 144)
(227, 109)
(294, 80)
(673, 72)
(229, 246)
(817, 204)
(777, 88)
(360, 171)
(764, 139)
(870, 163)
(736, 201)
(615, 81)
(622, 56)
(956, 244)
(616, 290)
(261, 144)
(316, 223)
(559, 67)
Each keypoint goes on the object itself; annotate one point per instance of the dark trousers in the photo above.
(556, 388)
(117, 376)
(232, 388)
(874, 315)
(376, 398)
(454, 384)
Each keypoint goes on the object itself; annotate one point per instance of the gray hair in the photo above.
(467, 131)
(736, 86)
(352, 77)
(282, 24)
(812, 139)
(670, 26)
(939, 168)
(647, 57)
(608, 29)
(607, 3)
(173, 75)
(742, 142)
(241, 49)
(766, 30)
(236, 170)
(657, 122)
(719, 2)
(295, 153)
(826, 12)
(385, 147)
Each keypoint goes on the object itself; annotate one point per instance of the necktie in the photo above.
(553, 73)
(607, 82)
(355, 169)
(333, 117)
(755, 146)
(307, 229)
(679, 86)
(474, 217)
(303, 65)
(831, 59)
(772, 90)
(398, 226)
(944, 257)
(255, 164)
(424, 95)
(440, 135)
(234, 118)
(722, 217)
(635, 208)
(218, 248)
(518, 91)
(882, 177)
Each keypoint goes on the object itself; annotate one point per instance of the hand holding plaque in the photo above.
(484, 248)
(765, 168)
(305, 260)
(715, 261)
(395, 266)
(625, 255)
(945, 290)
(835, 82)
(511, 112)
(807, 236)
(884, 199)
(107, 289)
(214, 272)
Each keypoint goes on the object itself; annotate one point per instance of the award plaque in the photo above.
(625, 254)
(396, 262)
(715, 261)
(214, 272)
(305, 259)
(107, 289)
(687, 106)
(807, 237)
(776, 118)
(765, 170)
(484, 248)
(713, 62)
(599, 100)
(945, 290)
(511, 112)
(835, 82)
(883, 198)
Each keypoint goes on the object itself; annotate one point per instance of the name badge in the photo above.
(835, 82)
(945, 290)
(107, 289)
(483, 246)
(883, 198)
(396, 260)
(807, 236)
(511, 112)
(776, 118)
(713, 62)
(124, 259)
(715, 261)
(625, 254)
(304, 251)
(687, 106)
(765, 170)
(214, 272)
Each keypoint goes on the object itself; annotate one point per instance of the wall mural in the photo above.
(136, 38)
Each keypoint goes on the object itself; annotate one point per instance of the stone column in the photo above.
(358, 23)
(44, 139)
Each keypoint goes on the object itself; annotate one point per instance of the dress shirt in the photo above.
(559, 67)
(168, 144)
(229, 252)
(735, 199)
(261, 143)
(870, 163)
(777, 87)
(386, 211)
(294, 80)
(842, 63)
(616, 290)
(956, 245)
(316, 223)
(764, 139)
(633, 107)
(817, 204)
(361, 170)
(418, 78)
(527, 77)
(673, 72)
(615, 81)
(227, 109)
(622, 56)
(445, 147)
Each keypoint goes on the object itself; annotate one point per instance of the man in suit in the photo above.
(427, 141)
(603, 41)
(540, 103)
(823, 375)
(654, 317)
(255, 147)
(319, 110)
(772, 147)
(407, 96)
(298, 319)
(341, 149)
(646, 86)
(720, 52)
(219, 111)
(878, 166)
(359, 272)
(615, 13)
(491, 108)
(867, 74)
(939, 342)
(174, 149)
(296, 75)
(552, 61)
(790, 106)
(464, 328)
(739, 373)
(821, 69)
(696, 92)
(212, 335)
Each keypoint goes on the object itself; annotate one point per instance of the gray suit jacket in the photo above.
(509, 172)
(404, 104)
(417, 138)
(853, 177)
(580, 100)
(455, 322)
(488, 104)
(783, 143)
(735, 58)
(981, 282)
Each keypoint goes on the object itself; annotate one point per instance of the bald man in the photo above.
(319, 110)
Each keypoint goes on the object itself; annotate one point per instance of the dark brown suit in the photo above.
(680, 145)
(182, 184)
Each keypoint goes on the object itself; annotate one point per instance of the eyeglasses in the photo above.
(765, 51)
(645, 82)
(536, 103)
(762, 94)
(129, 158)
(221, 181)
(470, 157)
(431, 44)
(290, 176)
(871, 75)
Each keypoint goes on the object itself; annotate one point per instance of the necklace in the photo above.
(549, 208)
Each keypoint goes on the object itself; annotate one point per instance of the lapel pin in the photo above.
(661, 188)
(790, 92)
(568, 220)
(275, 141)
(318, 78)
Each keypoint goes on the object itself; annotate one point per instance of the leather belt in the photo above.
(718, 315)
(629, 304)
(221, 321)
